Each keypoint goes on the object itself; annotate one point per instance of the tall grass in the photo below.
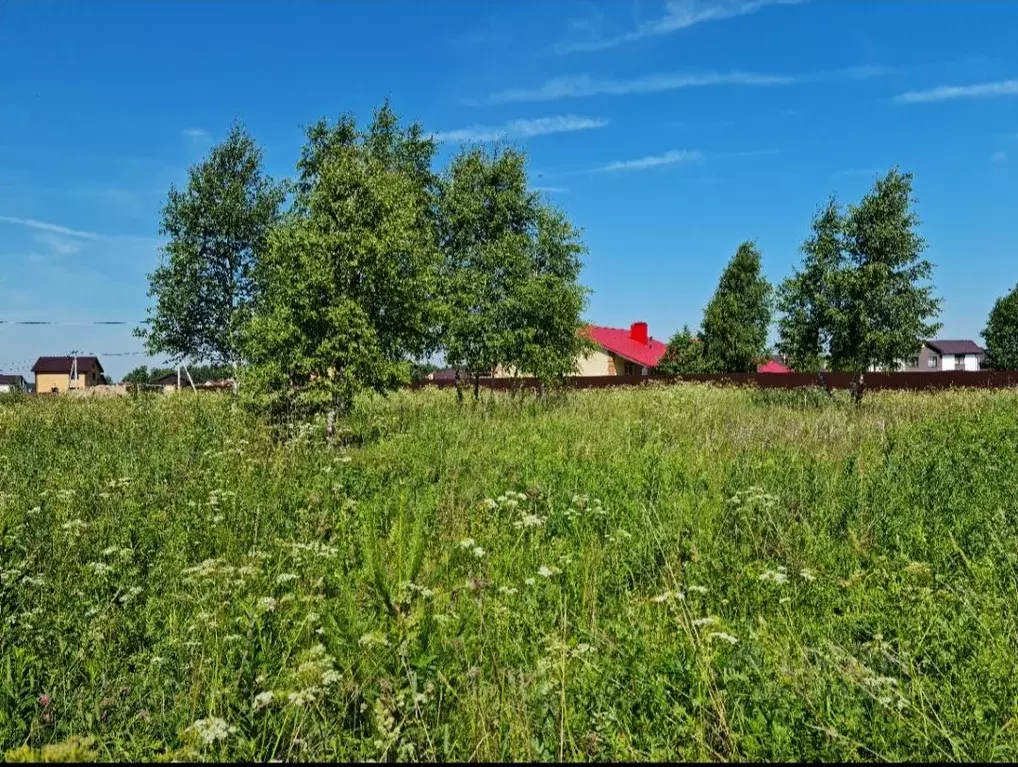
(668, 573)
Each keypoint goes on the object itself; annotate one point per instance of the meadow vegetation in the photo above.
(679, 572)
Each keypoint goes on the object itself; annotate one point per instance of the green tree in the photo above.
(684, 355)
(1001, 333)
(139, 375)
(511, 265)
(348, 283)
(217, 227)
(859, 301)
(735, 321)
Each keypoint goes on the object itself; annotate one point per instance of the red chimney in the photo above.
(638, 332)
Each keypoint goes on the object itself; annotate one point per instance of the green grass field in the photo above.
(665, 573)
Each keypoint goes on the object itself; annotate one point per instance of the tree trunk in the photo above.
(236, 384)
(858, 385)
(459, 387)
(477, 386)
(822, 375)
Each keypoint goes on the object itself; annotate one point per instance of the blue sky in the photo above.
(669, 132)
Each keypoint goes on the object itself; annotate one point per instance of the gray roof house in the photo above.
(946, 356)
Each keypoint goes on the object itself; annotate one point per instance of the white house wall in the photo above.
(971, 362)
(947, 362)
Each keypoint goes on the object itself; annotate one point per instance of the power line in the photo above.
(66, 324)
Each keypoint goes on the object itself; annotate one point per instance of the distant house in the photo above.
(10, 383)
(950, 355)
(60, 374)
(621, 351)
(169, 381)
(944, 356)
(773, 365)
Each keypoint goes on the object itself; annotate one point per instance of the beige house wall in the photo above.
(47, 382)
(596, 363)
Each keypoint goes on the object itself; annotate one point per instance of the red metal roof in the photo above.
(773, 366)
(620, 341)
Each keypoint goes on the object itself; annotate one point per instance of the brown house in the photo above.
(60, 374)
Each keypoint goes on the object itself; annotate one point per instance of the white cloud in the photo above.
(551, 189)
(44, 226)
(998, 156)
(668, 158)
(584, 85)
(540, 126)
(679, 14)
(579, 86)
(195, 134)
(59, 244)
(949, 92)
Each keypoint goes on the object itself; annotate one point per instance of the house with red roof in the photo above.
(621, 351)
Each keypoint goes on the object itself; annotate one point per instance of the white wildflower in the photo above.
(530, 581)
(723, 636)
(210, 730)
(697, 589)
(99, 568)
(489, 504)
(668, 596)
(372, 638)
(478, 552)
(285, 578)
(262, 700)
(303, 697)
(267, 604)
(547, 572)
(330, 677)
(467, 543)
(507, 590)
(529, 520)
(775, 576)
(706, 621)
(807, 575)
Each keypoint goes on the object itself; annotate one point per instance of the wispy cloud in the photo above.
(551, 189)
(583, 85)
(668, 158)
(580, 86)
(679, 14)
(44, 226)
(195, 134)
(541, 126)
(59, 244)
(998, 156)
(951, 92)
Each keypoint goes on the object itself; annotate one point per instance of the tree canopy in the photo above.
(684, 355)
(510, 271)
(348, 283)
(217, 228)
(861, 298)
(736, 320)
(1001, 333)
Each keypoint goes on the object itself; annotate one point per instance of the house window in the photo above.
(913, 362)
(632, 369)
(932, 362)
(959, 362)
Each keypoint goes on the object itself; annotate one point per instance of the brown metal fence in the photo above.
(982, 379)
